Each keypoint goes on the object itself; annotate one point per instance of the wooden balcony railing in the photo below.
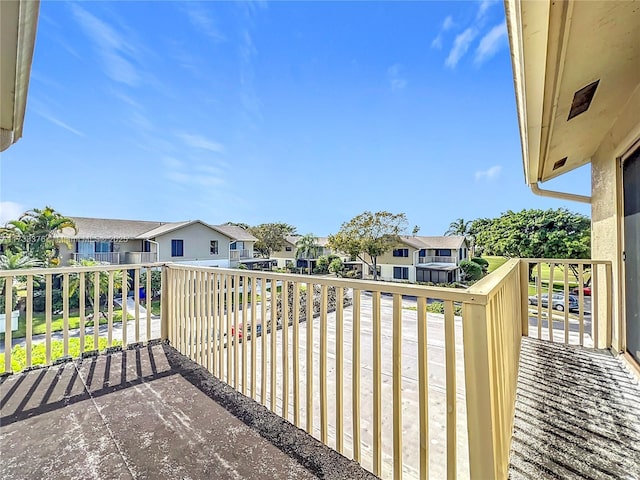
(369, 368)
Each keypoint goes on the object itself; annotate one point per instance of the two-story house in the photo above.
(290, 255)
(134, 241)
(423, 259)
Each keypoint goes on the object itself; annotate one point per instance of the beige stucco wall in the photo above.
(606, 208)
(196, 238)
(389, 259)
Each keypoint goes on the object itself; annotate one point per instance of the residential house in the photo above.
(423, 259)
(576, 67)
(289, 255)
(133, 241)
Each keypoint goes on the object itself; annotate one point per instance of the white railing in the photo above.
(106, 257)
(579, 316)
(90, 304)
(240, 254)
(307, 346)
(140, 257)
(436, 259)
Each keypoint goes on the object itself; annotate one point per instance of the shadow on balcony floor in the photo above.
(149, 413)
(577, 415)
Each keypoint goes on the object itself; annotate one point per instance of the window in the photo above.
(288, 249)
(443, 252)
(400, 252)
(177, 248)
(236, 246)
(146, 246)
(401, 273)
(103, 247)
(213, 247)
(423, 252)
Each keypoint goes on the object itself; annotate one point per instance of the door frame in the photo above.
(630, 151)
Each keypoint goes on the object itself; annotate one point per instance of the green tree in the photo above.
(537, 234)
(14, 261)
(89, 281)
(369, 235)
(459, 227)
(307, 246)
(35, 234)
(156, 282)
(238, 224)
(271, 237)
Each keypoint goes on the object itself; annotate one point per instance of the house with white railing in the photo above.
(134, 241)
(423, 259)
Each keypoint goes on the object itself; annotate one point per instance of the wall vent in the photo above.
(582, 99)
(560, 163)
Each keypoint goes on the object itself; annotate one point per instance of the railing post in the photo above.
(164, 303)
(481, 424)
(524, 296)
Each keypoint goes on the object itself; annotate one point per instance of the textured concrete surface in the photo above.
(149, 413)
(577, 415)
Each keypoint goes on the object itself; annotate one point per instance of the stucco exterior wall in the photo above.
(196, 242)
(606, 209)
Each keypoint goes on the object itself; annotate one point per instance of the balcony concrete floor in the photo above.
(149, 413)
(577, 415)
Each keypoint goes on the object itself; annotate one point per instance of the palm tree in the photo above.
(307, 246)
(459, 227)
(35, 233)
(14, 261)
(103, 280)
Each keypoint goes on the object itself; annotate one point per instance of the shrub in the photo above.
(322, 265)
(472, 271)
(336, 266)
(484, 263)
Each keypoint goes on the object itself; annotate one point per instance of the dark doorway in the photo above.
(631, 196)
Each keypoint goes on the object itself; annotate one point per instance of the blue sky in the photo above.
(302, 112)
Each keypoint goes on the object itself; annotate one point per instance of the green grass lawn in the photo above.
(39, 324)
(38, 352)
(545, 272)
(495, 262)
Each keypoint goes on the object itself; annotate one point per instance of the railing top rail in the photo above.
(442, 293)
(566, 261)
(492, 282)
(77, 269)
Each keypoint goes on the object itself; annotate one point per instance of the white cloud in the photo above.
(484, 6)
(58, 122)
(10, 211)
(447, 24)
(460, 46)
(203, 21)
(491, 43)
(397, 81)
(116, 50)
(198, 141)
(488, 174)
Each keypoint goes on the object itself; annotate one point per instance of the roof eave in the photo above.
(27, 19)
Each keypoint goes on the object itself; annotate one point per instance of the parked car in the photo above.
(557, 301)
(258, 330)
(586, 290)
